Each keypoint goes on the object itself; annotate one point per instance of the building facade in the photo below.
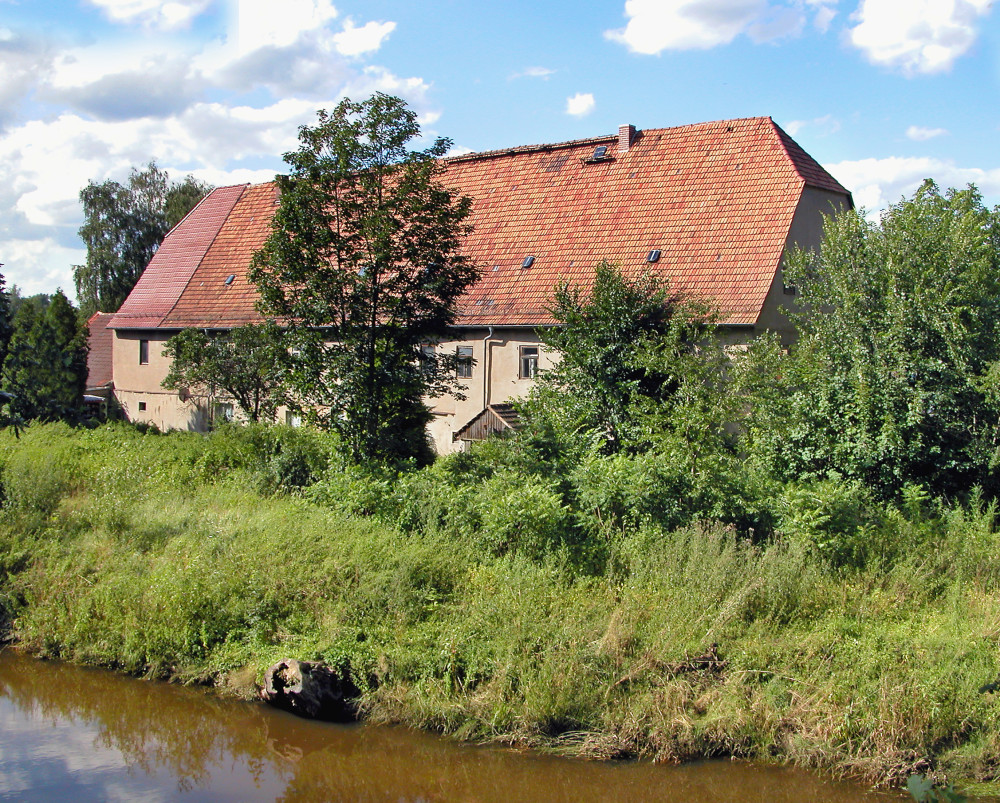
(711, 208)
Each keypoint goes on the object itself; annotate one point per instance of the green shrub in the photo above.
(837, 519)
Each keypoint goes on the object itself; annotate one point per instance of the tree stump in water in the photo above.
(311, 690)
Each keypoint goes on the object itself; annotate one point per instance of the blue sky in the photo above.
(882, 92)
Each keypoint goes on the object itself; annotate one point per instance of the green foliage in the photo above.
(182, 197)
(124, 225)
(837, 519)
(148, 552)
(276, 457)
(247, 363)
(364, 261)
(46, 365)
(628, 355)
(6, 319)
(634, 415)
(899, 327)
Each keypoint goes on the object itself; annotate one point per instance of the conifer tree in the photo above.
(46, 364)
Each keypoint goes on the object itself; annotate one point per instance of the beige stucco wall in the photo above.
(806, 232)
(137, 384)
(495, 378)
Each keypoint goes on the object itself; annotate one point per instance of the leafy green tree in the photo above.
(363, 263)
(124, 225)
(635, 411)
(182, 197)
(630, 357)
(247, 363)
(46, 364)
(890, 383)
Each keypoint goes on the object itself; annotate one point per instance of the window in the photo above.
(143, 352)
(223, 412)
(464, 362)
(142, 407)
(427, 359)
(293, 419)
(529, 362)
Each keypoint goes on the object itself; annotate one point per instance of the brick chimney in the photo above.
(626, 133)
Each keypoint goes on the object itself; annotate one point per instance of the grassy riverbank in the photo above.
(204, 560)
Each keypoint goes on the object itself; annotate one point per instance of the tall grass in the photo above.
(457, 609)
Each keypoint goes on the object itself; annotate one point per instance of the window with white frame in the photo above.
(529, 362)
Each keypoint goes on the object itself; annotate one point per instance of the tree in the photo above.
(182, 197)
(635, 411)
(629, 354)
(6, 318)
(247, 363)
(363, 264)
(124, 225)
(46, 365)
(891, 380)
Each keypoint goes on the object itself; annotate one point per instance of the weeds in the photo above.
(470, 599)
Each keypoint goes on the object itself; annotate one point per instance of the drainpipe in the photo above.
(487, 367)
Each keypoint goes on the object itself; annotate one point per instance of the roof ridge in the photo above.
(572, 143)
(516, 149)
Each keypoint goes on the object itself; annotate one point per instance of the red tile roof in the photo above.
(208, 300)
(717, 199)
(99, 342)
(176, 261)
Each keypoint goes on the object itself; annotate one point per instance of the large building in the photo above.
(711, 207)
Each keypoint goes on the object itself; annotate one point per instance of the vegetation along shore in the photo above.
(205, 560)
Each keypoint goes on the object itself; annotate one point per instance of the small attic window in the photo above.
(600, 154)
(230, 279)
(654, 255)
(528, 262)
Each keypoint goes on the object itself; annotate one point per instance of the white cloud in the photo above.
(824, 16)
(877, 183)
(24, 63)
(825, 125)
(40, 266)
(534, 72)
(919, 133)
(122, 104)
(658, 25)
(580, 105)
(263, 23)
(919, 36)
(157, 14)
(353, 41)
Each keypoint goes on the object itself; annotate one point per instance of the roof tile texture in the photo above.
(717, 199)
(99, 341)
(176, 261)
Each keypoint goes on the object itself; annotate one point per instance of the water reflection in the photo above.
(70, 733)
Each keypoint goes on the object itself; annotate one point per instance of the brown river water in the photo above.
(73, 734)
